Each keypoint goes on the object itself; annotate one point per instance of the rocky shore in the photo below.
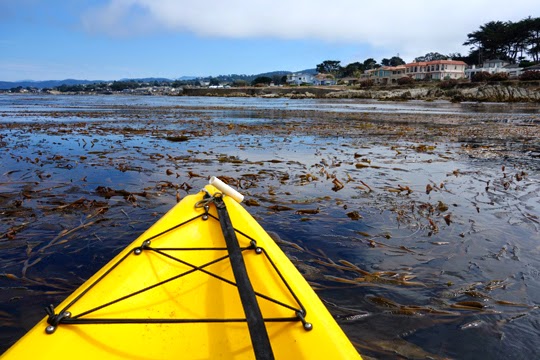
(500, 92)
(504, 91)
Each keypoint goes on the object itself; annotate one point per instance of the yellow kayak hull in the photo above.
(191, 287)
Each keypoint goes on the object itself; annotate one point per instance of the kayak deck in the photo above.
(172, 293)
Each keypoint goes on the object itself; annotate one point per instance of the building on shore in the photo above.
(426, 70)
(495, 66)
(300, 78)
(532, 68)
(386, 74)
(324, 79)
(309, 79)
(436, 70)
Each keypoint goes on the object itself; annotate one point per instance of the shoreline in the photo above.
(501, 92)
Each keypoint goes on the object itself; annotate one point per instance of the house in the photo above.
(513, 70)
(387, 74)
(350, 80)
(533, 68)
(417, 70)
(324, 79)
(495, 63)
(490, 66)
(426, 70)
(436, 70)
(300, 78)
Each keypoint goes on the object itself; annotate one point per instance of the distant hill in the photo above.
(247, 78)
(148, 80)
(45, 83)
(308, 71)
(70, 82)
(5, 85)
(274, 73)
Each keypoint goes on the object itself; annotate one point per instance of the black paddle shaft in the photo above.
(255, 321)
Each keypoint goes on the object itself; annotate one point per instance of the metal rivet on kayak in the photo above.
(258, 250)
(146, 243)
(50, 329)
(138, 251)
(301, 316)
(206, 209)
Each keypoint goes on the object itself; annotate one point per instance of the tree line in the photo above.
(356, 68)
(506, 40)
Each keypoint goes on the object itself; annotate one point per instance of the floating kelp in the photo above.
(180, 138)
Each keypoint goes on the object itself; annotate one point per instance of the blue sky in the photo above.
(115, 39)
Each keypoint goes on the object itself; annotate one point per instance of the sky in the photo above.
(118, 39)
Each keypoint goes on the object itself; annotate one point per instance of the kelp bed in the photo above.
(419, 231)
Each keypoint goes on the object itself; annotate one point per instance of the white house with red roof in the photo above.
(436, 70)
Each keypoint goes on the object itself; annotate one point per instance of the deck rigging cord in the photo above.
(233, 252)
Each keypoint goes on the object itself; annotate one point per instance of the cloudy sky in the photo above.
(115, 39)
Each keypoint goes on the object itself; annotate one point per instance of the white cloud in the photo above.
(410, 28)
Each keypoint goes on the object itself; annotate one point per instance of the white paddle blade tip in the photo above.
(226, 189)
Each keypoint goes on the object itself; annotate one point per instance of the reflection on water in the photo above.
(421, 237)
